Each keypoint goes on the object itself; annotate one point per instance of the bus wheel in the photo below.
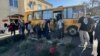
(72, 31)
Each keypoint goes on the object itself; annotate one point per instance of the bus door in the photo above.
(57, 15)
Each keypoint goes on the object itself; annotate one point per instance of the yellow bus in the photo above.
(70, 15)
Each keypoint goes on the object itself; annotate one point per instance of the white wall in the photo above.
(4, 10)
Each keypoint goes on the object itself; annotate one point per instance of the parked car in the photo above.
(95, 18)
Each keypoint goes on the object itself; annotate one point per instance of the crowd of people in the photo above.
(40, 29)
(45, 30)
(16, 25)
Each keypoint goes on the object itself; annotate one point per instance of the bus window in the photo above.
(47, 14)
(65, 13)
(38, 15)
(75, 13)
(70, 12)
(29, 17)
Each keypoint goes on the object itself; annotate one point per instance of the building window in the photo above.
(39, 7)
(16, 3)
(13, 3)
(31, 4)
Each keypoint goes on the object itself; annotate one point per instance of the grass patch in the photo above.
(3, 49)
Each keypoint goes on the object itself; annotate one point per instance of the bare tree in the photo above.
(91, 6)
(94, 6)
(94, 3)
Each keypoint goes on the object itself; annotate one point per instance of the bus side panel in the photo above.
(35, 22)
(70, 22)
(25, 18)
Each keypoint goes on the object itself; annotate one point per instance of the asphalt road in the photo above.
(79, 51)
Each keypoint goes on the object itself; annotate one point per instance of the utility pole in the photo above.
(85, 8)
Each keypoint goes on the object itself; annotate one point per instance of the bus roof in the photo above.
(58, 8)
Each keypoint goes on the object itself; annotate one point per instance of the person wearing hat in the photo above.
(85, 27)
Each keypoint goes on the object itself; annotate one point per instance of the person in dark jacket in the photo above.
(46, 30)
(38, 31)
(16, 24)
(26, 26)
(53, 28)
(22, 28)
(92, 25)
(97, 36)
(85, 27)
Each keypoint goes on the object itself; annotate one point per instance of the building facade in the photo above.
(33, 5)
(11, 7)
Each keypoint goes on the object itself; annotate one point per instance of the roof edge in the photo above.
(45, 2)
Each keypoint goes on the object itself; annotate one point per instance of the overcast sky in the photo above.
(66, 2)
